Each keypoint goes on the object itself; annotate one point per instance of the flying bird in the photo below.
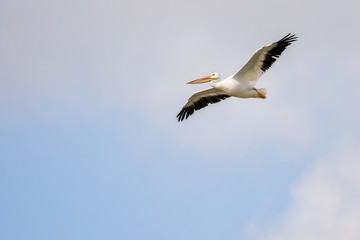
(242, 84)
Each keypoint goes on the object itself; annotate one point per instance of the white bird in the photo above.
(241, 84)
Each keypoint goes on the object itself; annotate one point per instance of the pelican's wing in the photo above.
(263, 58)
(200, 100)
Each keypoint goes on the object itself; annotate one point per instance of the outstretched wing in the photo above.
(263, 58)
(200, 100)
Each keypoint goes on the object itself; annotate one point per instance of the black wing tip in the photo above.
(277, 50)
(288, 39)
(185, 113)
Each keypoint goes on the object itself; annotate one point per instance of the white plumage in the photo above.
(242, 84)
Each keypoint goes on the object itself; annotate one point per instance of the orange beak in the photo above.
(201, 80)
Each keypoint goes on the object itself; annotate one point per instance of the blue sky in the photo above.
(90, 147)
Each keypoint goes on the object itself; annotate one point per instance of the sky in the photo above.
(90, 147)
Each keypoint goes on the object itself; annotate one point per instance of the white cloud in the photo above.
(326, 202)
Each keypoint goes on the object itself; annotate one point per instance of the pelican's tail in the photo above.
(261, 93)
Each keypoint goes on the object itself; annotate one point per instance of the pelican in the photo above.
(240, 85)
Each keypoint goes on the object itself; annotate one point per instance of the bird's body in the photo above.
(240, 85)
(235, 88)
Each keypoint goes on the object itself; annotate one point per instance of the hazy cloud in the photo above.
(326, 202)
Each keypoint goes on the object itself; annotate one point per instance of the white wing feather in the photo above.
(262, 59)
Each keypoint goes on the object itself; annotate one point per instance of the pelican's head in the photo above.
(212, 77)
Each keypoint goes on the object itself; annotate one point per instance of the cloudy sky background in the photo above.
(90, 147)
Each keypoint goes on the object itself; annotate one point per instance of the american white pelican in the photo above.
(241, 84)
